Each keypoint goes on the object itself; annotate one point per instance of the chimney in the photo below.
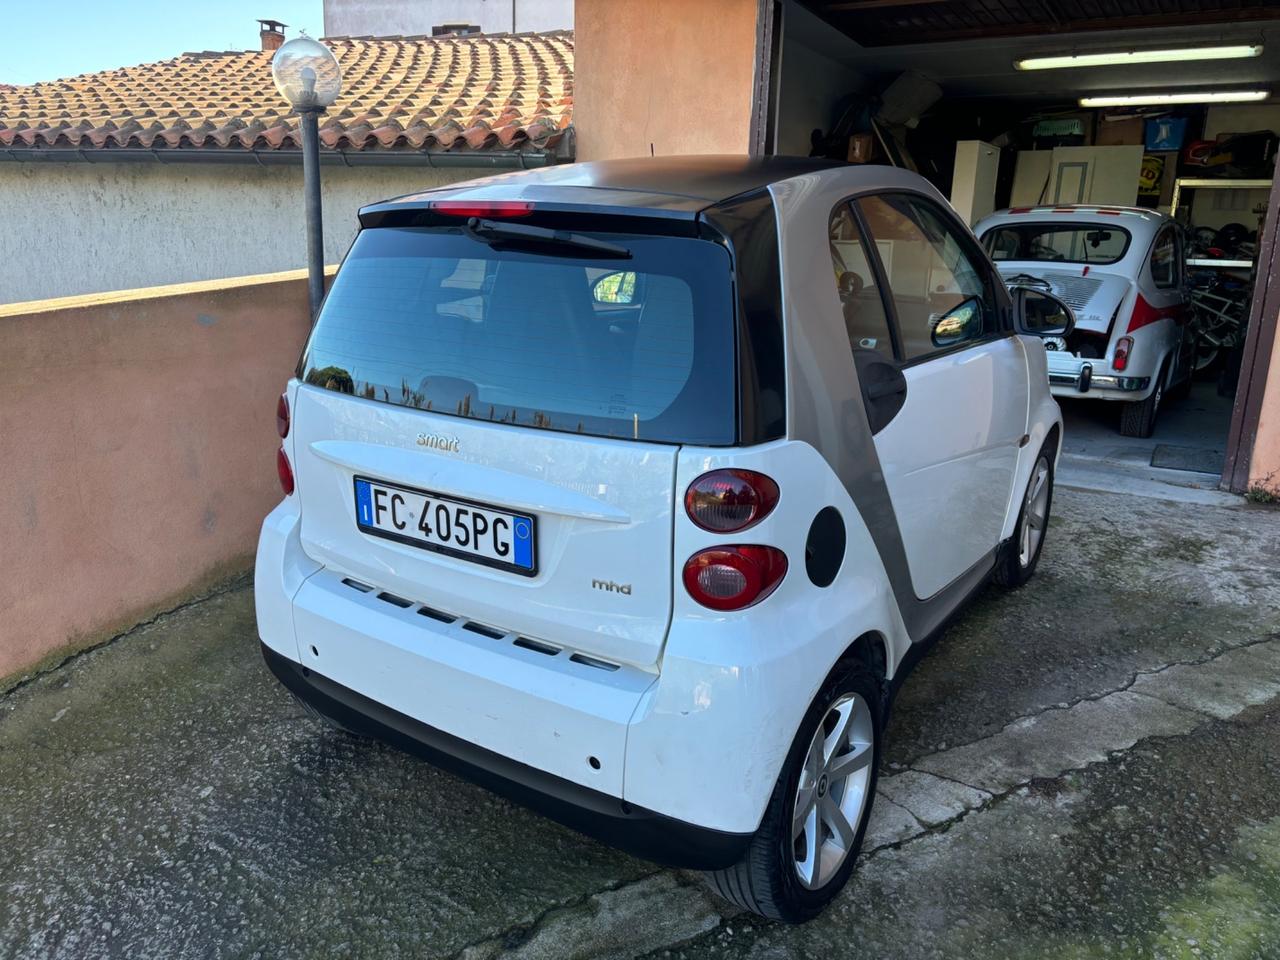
(272, 34)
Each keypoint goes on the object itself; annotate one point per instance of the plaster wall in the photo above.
(1264, 466)
(387, 18)
(663, 76)
(137, 451)
(93, 227)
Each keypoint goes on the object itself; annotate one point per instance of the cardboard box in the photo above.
(1120, 133)
(860, 146)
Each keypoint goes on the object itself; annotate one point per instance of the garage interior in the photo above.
(933, 86)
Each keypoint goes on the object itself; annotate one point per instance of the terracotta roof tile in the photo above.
(485, 92)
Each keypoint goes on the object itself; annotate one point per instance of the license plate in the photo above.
(460, 528)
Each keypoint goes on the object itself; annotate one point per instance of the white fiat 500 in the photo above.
(602, 491)
(1121, 271)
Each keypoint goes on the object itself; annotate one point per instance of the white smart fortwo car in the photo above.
(603, 491)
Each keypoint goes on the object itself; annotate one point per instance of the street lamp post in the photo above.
(306, 73)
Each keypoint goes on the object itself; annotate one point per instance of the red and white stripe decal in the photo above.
(1144, 313)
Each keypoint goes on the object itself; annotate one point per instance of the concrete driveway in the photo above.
(1088, 767)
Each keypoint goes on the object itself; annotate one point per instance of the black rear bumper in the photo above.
(618, 823)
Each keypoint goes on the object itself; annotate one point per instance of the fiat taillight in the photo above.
(1120, 358)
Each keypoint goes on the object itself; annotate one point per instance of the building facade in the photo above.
(383, 18)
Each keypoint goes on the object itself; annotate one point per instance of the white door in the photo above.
(949, 453)
(1091, 175)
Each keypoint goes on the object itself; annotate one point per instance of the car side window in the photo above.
(942, 295)
(860, 300)
(1164, 259)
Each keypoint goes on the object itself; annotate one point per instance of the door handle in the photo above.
(883, 387)
(886, 388)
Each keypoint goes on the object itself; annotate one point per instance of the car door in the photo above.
(1166, 294)
(950, 447)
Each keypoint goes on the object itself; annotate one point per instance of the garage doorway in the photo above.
(937, 87)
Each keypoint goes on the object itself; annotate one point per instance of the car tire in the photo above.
(1138, 419)
(772, 879)
(325, 720)
(1021, 555)
(1182, 388)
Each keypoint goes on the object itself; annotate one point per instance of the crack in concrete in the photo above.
(230, 585)
(993, 798)
(1222, 650)
(1113, 757)
(519, 934)
(958, 783)
(881, 798)
(1177, 706)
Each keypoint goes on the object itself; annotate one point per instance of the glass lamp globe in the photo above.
(307, 74)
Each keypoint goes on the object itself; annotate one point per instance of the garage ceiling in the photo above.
(983, 66)
(877, 23)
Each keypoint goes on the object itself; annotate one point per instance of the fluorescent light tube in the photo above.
(1235, 52)
(1160, 99)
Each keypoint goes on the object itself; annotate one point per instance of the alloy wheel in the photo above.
(833, 790)
(1035, 512)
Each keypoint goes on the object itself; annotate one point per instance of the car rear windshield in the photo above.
(551, 336)
(1072, 242)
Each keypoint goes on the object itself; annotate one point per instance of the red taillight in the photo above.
(730, 578)
(490, 209)
(726, 501)
(1120, 359)
(285, 472)
(282, 416)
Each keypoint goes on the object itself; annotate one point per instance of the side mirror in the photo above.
(1041, 314)
(618, 287)
(961, 323)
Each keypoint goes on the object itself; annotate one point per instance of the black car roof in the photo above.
(708, 177)
(671, 186)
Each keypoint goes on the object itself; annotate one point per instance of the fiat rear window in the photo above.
(1070, 242)
(636, 345)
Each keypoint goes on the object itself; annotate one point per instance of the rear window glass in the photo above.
(1073, 242)
(638, 348)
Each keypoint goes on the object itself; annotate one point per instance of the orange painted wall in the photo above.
(137, 450)
(673, 73)
(1264, 467)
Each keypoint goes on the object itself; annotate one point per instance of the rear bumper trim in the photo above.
(1127, 384)
(636, 830)
(1085, 380)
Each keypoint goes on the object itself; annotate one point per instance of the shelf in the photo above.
(1224, 264)
(1211, 183)
(1220, 183)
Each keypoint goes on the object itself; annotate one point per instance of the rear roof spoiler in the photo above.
(416, 209)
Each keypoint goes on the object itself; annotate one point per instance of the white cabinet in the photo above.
(1099, 175)
(973, 183)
